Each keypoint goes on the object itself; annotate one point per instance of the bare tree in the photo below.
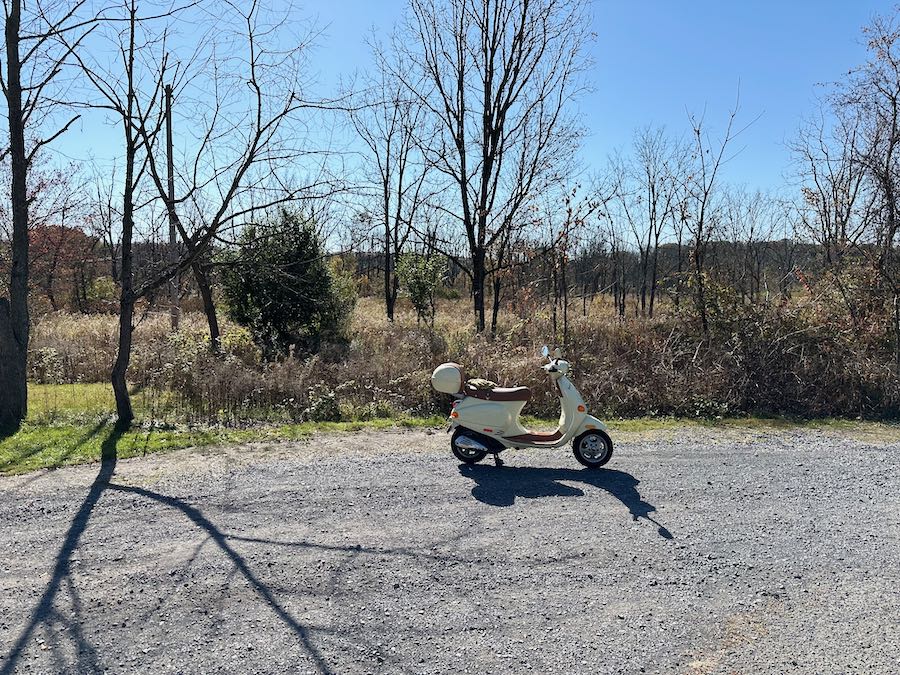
(662, 165)
(834, 211)
(613, 236)
(34, 60)
(708, 157)
(245, 146)
(748, 223)
(123, 102)
(499, 74)
(872, 96)
(833, 186)
(785, 246)
(567, 229)
(392, 125)
(103, 223)
(648, 189)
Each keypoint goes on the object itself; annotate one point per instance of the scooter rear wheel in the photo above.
(466, 455)
(593, 448)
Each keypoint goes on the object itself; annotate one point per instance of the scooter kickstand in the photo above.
(497, 460)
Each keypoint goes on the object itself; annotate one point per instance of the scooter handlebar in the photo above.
(557, 366)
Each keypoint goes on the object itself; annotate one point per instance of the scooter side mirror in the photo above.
(545, 351)
(557, 353)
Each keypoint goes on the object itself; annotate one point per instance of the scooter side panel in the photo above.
(488, 416)
(589, 422)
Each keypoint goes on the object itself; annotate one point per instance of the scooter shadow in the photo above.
(500, 486)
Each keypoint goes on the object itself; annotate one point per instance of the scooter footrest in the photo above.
(536, 437)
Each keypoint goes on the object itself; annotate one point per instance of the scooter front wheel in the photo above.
(468, 455)
(593, 448)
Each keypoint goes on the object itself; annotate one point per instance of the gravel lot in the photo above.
(703, 551)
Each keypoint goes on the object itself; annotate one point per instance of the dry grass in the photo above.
(757, 360)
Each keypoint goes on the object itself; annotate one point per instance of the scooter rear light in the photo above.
(581, 408)
(454, 414)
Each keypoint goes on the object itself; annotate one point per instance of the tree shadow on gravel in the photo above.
(221, 540)
(500, 486)
(46, 613)
(359, 548)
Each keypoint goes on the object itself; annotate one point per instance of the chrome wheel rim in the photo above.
(593, 448)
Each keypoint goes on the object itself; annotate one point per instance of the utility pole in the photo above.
(175, 282)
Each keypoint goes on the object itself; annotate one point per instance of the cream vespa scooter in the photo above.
(487, 420)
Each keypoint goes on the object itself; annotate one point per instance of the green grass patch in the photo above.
(46, 401)
(50, 445)
(49, 403)
(43, 446)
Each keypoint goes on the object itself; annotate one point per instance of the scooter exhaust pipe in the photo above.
(469, 443)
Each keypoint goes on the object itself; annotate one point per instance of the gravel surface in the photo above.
(703, 551)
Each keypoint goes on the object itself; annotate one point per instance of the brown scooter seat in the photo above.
(498, 393)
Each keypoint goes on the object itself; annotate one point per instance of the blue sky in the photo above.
(657, 60)
(654, 61)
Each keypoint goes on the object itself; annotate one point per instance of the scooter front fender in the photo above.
(587, 424)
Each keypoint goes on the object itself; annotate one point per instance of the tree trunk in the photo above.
(209, 307)
(14, 312)
(495, 308)
(78, 292)
(678, 276)
(701, 291)
(478, 279)
(126, 297)
(51, 296)
(174, 282)
(643, 294)
(13, 395)
(555, 285)
(51, 274)
(123, 356)
(126, 303)
(388, 300)
(584, 294)
(391, 298)
(113, 265)
(564, 293)
(654, 278)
